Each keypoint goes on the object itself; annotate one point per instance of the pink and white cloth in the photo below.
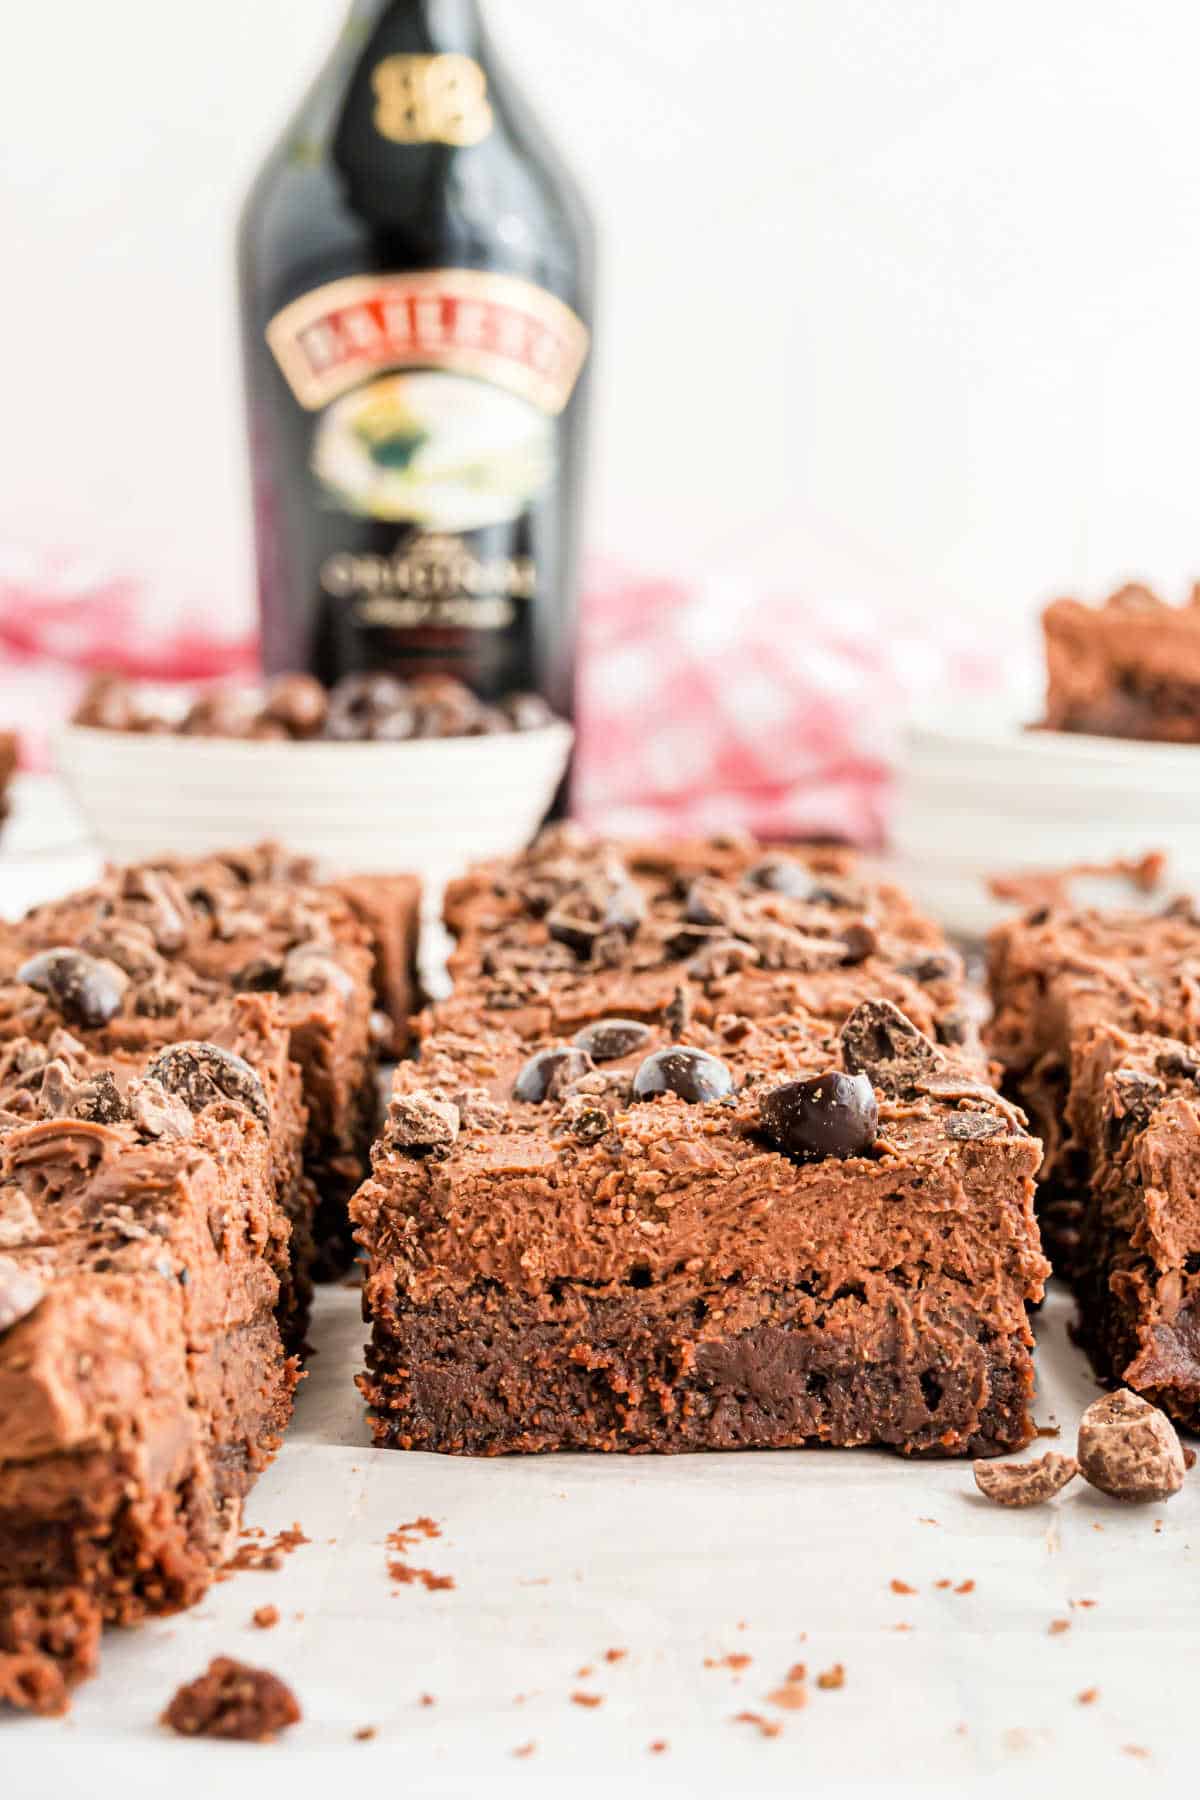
(705, 705)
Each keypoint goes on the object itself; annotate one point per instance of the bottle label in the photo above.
(431, 100)
(434, 400)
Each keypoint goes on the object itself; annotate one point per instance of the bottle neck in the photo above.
(440, 25)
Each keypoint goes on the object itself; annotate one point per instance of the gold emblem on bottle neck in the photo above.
(432, 100)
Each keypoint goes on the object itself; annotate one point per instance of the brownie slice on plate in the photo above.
(1129, 668)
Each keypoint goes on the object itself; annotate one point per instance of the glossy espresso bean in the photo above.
(831, 1115)
(201, 1074)
(693, 1075)
(546, 1075)
(611, 1039)
(87, 990)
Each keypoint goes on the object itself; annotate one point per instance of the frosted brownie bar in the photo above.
(768, 1235)
(143, 1379)
(579, 929)
(252, 921)
(1097, 1016)
(1129, 668)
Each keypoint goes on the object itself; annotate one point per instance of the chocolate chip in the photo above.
(583, 1119)
(20, 1291)
(547, 1075)
(693, 1075)
(422, 1122)
(583, 915)
(1025, 1484)
(86, 990)
(611, 1039)
(1129, 1449)
(968, 1127)
(370, 707)
(880, 1041)
(831, 1115)
(861, 940)
(1174, 1064)
(203, 1073)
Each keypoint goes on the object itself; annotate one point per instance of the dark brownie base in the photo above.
(491, 1376)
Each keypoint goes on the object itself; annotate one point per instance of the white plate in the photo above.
(980, 794)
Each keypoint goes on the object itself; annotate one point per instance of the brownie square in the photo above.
(599, 1269)
(1129, 668)
(144, 1381)
(580, 929)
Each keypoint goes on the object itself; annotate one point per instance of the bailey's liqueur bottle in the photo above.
(416, 279)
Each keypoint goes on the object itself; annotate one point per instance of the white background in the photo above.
(901, 299)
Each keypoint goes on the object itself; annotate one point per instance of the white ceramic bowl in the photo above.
(980, 795)
(430, 805)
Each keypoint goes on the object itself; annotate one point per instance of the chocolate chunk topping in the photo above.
(1132, 1098)
(594, 911)
(203, 1073)
(693, 1075)
(940, 965)
(1128, 1449)
(967, 1127)
(710, 903)
(677, 1015)
(611, 1039)
(157, 1114)
(583, 1119)
(720, 957)
(20, 1292)
(880, 1041)
(310, 967)
(831, 1115)
(97, 1098)
(1025, 1484)
(779, 875)
(86, 990)
(550, 1073)
(422, 1123)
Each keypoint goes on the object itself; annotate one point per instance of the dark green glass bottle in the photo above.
(416, 272)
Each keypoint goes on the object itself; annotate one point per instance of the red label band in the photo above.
(496, 327)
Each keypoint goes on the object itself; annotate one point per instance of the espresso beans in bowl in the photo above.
(376, 773)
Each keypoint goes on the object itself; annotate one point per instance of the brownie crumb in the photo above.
(735, 1660)
(580, 1699)
(1134, 1750)
(792, 1696)
(260, 1552)
(658, 1746)
(231, 1700)
(901, 1587)
(33, 1683)
(582, 1674)
(1058, 1626)
(965, 1587)
(832, 1678)
(265, 1617)
(1088, 1697)
(768, 1728)
(798, 1672)
(525, 1749)
(427, 1700)
(400, 1570)
(365, 1733)
(945, 1582)
(615, 1655)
